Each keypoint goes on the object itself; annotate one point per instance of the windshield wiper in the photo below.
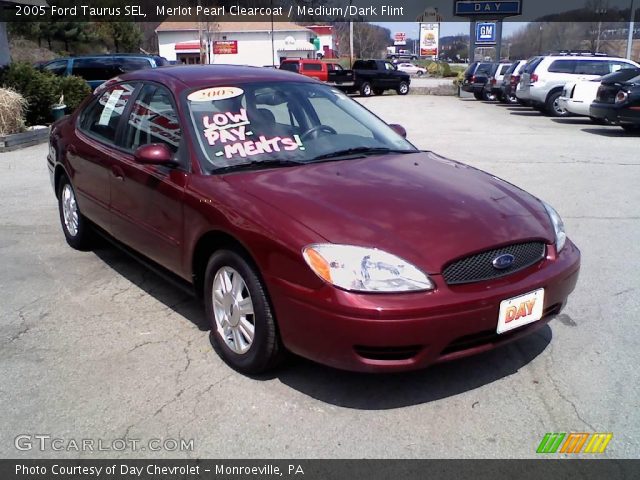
(256, 164)
(360, 151)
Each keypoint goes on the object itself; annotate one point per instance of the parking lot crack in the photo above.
(566, 399)
(165, 405)
(144, 344)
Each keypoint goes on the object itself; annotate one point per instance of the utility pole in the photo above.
(351, 57)
(631, 27)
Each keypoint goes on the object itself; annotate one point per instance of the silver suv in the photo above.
(544, 77)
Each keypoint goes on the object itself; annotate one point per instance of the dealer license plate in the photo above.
(521, 310)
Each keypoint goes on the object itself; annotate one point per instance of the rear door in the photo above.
(90, 157)
(146, 200)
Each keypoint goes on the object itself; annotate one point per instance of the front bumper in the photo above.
(397, 332)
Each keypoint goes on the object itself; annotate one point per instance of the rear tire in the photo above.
(478, 95)
(488, 96)
(598, 121)
(403, 88)
(631, 128)
(243, 327)
(366, 90)
(552, 107)
(76, 228)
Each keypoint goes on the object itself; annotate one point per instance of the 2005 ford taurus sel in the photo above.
(306, 223)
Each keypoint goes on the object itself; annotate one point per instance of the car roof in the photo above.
(213, 75)
(581, 57)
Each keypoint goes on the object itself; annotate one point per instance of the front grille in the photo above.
(479, 267)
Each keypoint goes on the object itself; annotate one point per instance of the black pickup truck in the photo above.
(373, 77)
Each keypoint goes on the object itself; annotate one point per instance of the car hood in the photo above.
(421, 207)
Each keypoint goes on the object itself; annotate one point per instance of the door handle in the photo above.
(117, 172)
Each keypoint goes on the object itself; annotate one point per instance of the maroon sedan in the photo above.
(305, 222)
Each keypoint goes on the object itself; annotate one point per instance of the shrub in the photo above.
(41, 90)
(12, 107)
(37, 88)
(445, 69)
(74, 89)
(433, 69)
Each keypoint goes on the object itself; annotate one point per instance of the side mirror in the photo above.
(399, 129)
(154, 154)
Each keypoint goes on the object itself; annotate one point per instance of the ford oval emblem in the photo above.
(503, 261)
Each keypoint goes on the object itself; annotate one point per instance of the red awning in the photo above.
(194, 45)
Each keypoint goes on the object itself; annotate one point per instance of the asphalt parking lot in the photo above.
(94, 346)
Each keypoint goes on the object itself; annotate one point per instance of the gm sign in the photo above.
(486, 33)
(496, 8)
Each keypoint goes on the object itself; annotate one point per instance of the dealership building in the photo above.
(236, 43)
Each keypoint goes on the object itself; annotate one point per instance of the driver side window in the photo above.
(153, 119)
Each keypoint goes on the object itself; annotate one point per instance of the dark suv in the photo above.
(97, 69)
(475, 78)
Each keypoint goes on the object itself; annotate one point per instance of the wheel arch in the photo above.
(207, 244)
(58, 173)
(553, 91)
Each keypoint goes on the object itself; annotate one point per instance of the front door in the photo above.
(146, 200)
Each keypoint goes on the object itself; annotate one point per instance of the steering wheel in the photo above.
(314, 131)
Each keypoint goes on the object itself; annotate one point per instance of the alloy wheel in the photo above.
(233, 310)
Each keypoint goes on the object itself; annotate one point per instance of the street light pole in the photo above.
(631, 27)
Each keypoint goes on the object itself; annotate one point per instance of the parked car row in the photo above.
(603, 88)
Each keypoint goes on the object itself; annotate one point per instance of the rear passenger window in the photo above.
(504, 69)
(153, 119)
(312, 67)
(103, 115)
(563, 66)
(95, 68)
(592, 67)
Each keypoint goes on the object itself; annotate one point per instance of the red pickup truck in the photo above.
(329, 72)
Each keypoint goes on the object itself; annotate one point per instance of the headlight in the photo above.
(364, 269)
(558, 226)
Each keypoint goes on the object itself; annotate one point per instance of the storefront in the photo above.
(236, 43)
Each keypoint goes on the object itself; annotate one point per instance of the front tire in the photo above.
(243, 327)
(631, 128)
(552, 106)
(403, 88)
(76, 228)
(478, 95)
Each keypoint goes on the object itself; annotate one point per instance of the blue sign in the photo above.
(471, 8)
(486, 33)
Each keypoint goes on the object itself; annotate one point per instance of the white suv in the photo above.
(544, 77)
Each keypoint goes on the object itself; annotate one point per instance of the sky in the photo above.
(446, 28)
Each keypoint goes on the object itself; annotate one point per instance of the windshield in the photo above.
(287, 122)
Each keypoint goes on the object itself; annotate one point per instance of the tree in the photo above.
(123, 36)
